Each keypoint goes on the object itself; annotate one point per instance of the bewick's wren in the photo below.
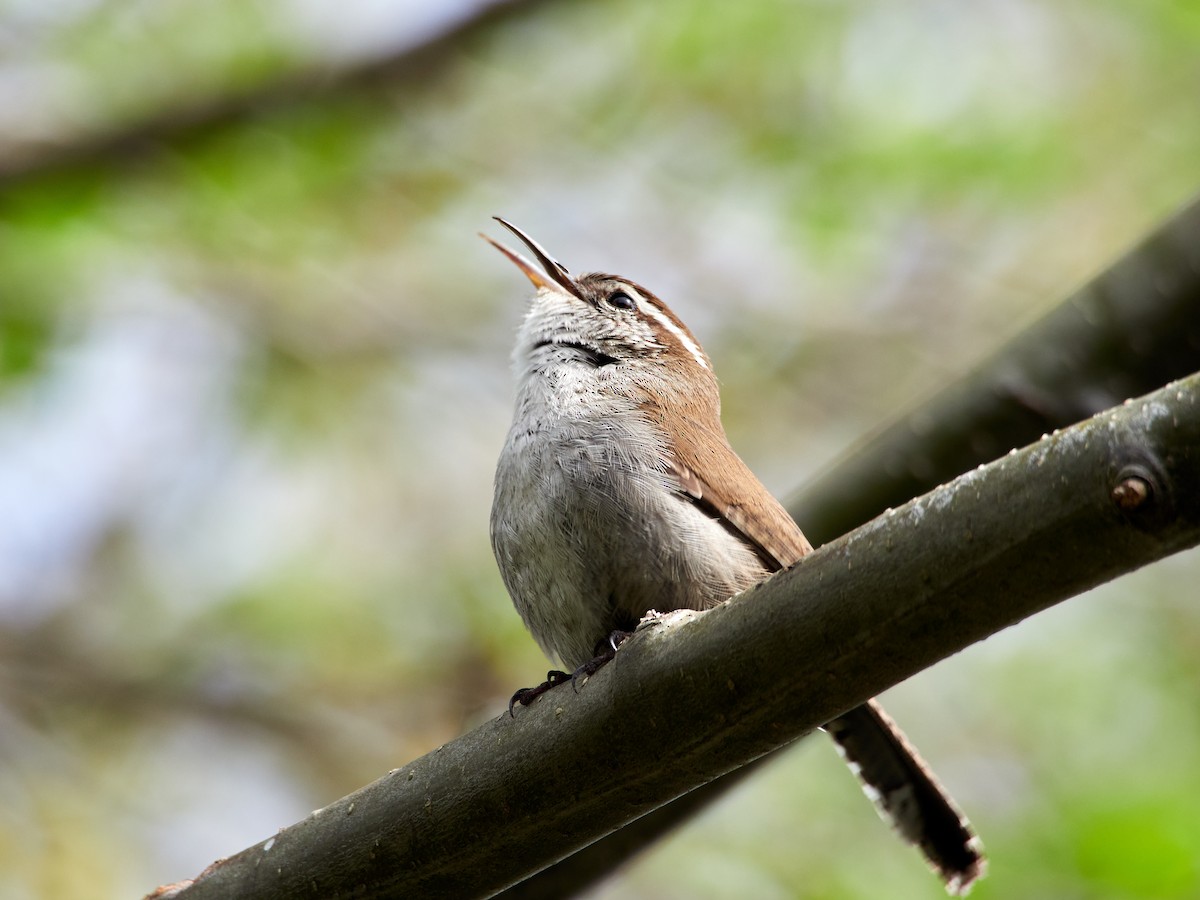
(617, 493)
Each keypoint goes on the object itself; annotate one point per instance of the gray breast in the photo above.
(590, 532)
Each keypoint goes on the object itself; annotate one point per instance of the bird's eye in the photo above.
(621, 300)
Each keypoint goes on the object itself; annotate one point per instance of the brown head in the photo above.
(605, 320)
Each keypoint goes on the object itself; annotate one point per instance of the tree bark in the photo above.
(705, 693)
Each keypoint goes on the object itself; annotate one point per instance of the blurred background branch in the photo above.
(1128, 331)
(415, 56)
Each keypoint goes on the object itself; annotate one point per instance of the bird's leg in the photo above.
(606, 649)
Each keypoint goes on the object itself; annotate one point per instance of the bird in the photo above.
(617, 493)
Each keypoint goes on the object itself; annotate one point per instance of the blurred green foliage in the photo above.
(253, 382)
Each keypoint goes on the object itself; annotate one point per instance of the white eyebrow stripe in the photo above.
(651, 310)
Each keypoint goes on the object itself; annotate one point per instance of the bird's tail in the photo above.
(908, 795)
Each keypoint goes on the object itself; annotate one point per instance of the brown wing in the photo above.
(715, 477)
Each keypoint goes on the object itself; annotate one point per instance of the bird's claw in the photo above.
(525, 696)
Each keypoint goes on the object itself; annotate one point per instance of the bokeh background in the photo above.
(253, 381)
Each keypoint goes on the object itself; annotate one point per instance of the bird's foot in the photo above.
(525, 696)
(605, 650)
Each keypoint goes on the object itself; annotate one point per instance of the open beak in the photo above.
(539, 280)
(558, 276)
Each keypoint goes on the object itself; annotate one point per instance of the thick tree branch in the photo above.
(691, 699)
